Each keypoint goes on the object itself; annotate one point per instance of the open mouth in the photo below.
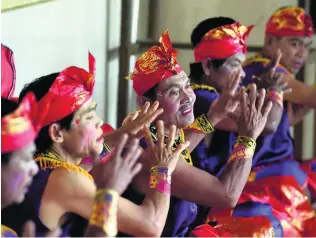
(187, 111)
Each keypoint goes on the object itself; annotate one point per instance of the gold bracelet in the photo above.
(107, 147)
(202, 124)
(104, 211)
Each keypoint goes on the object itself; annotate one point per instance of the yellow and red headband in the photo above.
(290, 21)
(20, 127)
(7, 72)
(156, 64)
(223, 42)
(71, 89)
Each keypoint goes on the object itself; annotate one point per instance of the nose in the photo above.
(186, 97)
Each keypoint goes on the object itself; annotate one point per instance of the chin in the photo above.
(20, 199)
(187, 121)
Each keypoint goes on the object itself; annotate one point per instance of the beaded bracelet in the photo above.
(275, 96)
(104, 211)
(160, 179)
(202, 124)
(244, 148)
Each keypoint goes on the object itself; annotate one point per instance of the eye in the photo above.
(294, 44)
(174, 93)
(89, 117)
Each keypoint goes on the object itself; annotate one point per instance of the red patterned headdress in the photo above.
(20, 127)
(71, 89)
(7, 72)
(223, 42)
(156, 64)
(290, 21)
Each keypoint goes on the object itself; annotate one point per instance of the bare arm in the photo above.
(301, 94)
(297, 116)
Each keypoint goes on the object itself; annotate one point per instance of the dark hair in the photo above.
(40, 87)
(151, 93)
(196, 70)
(7, 107)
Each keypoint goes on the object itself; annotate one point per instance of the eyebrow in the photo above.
(173, 85)
(90, 109)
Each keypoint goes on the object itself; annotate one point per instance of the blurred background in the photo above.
(49, 35)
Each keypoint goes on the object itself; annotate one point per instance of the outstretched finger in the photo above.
(148, 138)
(181, 148)
(160, 135)
(266, 109)
(253, 96)
(29, 229)
(275, 62)
(134, 157)
(261, 98)
(120, 147)
(243, 101)
(131, 149)
(145, 108)
(151, 117)
(153, 108)
(235, 82)
(171, 137)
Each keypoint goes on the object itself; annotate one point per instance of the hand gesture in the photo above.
(135, 122)
(30, 231)
(227, 102)
(120, 169)
(271, 79)
(162, 154)
(253, 114)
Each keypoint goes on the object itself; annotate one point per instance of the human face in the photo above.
(177, 98)
(85, 135)
(17, 175)
(295, 51)
(220, 76)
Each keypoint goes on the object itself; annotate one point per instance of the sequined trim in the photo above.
(49, 160)
(195, 86)
(185, 154)
(7, 232)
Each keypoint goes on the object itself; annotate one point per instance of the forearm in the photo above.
(301, 93)
(149, 218)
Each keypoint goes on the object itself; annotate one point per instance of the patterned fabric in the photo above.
(7, 232)
(290, 21)
(223, 42)
(156, 64)
(8, 74)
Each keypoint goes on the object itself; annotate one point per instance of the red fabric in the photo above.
(72, 88)
(223, 42)
(310, 168)
(20, 127)
(7, 72)
(156, 64)
(288, 202)
(290, 21)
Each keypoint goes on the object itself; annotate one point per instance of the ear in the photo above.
(207, 68)
(141, 100)
(56, 133)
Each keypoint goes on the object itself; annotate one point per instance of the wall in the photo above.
(50, 36)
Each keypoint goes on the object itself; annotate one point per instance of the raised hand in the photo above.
(270, 78)
(227, 102)
(253, 113)
(30, 231)
(135, 122)
(120, 169)
(162, 154)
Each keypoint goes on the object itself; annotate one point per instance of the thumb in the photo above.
(29, 229)
(233, 116)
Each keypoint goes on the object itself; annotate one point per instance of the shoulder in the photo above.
(69, 183)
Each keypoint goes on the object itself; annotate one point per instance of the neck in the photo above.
(64, 155)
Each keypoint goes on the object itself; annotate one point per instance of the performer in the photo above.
(8, 75)
(158, 76)
(71, 131)
(18, 132)
(259, 191)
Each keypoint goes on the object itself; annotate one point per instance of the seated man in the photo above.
(158, 76)
(272, 158)
(71, 131)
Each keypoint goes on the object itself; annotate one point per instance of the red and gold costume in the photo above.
(273, 202)
(156, 64)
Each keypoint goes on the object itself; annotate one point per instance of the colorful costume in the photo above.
(7, 72)
(155, 65)
(18, 129)
(72, 88)
(273, 196)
